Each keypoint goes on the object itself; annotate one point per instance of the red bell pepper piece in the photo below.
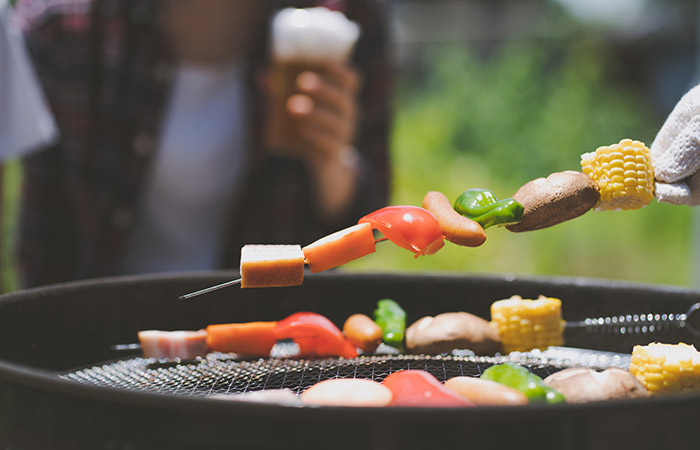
(315, 335)
(410, 227)
(420, 388)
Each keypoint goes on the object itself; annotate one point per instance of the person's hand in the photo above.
(675, 153)
(320, 112)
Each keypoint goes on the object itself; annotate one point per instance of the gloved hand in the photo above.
(675, 153)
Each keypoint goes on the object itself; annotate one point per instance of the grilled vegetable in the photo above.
(363, 332)
(486, 392)
(665, 368)
(582, 385)
(521, 379)
(624, 175)
(524, 325)
(339, 248)
(392, 320)
(315, 335)
(448, 331)
(549, 201)
(420, 388)
(482, 206)
(173, 344)
(410, 227)
(249, 339)
(347, 392)
(457, 229)
(271, 265)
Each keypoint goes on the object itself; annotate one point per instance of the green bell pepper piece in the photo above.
(475, 202)
(482, 206)
(521, 379)
(391, 318)
(504, 212)
(554, 396)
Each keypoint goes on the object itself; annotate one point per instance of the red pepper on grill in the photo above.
(420, 388)
(315, 335)
(410, 227)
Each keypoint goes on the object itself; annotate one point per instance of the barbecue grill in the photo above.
(62, 384)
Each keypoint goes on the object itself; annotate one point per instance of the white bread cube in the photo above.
(271, 265)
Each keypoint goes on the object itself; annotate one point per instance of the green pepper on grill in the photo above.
(392, 320)
(521, 379)
(482, 206)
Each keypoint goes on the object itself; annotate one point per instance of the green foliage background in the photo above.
(530, 109)
(9, 190)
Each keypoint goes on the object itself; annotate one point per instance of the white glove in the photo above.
(675, 153)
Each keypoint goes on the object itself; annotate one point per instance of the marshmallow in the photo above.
(312, 35)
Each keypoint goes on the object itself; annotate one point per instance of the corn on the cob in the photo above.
(664, 368)
(624, 175)
(524, 325)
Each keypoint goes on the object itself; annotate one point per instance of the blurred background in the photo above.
(495, 93)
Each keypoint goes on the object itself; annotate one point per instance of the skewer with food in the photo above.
(410, 227)
(516, 325)
(615, 177)
(314, 335)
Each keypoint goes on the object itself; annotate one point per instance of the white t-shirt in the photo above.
(198, 166)
(197, 169)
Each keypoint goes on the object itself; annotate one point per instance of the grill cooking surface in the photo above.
(224, 374)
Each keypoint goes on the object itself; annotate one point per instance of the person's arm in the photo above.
(342, 116)
(374, 62)
(326, 111)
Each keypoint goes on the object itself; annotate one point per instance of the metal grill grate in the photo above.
(224, 374)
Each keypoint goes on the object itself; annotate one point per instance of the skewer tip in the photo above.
(210, 289)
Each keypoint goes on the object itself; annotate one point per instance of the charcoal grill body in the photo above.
(59, 328)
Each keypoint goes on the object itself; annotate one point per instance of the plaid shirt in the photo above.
(106, 68)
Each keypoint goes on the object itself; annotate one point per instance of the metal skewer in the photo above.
(125, 347)
(209, 289)
(638, 324)
(630, 324)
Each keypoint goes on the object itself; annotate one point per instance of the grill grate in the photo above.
(220, 373)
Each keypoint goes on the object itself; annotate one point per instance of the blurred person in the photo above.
(161, 162)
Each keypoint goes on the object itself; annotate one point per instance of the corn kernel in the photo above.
(524, 325)
(665, 368)
(624, 174)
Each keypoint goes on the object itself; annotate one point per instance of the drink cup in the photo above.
(302, 40)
